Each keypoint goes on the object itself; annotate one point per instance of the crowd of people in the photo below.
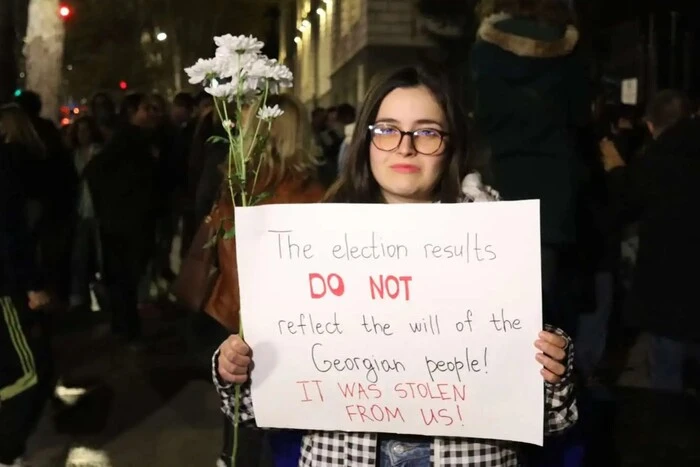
(90, 213)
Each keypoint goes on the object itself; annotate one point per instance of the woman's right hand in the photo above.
(234, 360)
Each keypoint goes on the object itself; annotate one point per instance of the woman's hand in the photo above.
(234, 360)
(37, 299)
(552, 356)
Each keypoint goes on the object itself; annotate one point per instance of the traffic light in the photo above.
(123, 85)
(65, 11)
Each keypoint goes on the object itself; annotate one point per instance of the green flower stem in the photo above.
(237, 165)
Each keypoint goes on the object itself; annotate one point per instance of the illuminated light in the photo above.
(297, 40)
(76, 111)
(161, 36)
(18, 92)
(306, 23)
(65, 121)
(123, 85)
(64, 11)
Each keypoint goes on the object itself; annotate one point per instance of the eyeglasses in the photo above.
(426, 141)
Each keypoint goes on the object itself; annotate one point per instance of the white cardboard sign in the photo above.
(415, 319)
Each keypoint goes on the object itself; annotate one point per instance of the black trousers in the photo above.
(125, 263)
(26, 378)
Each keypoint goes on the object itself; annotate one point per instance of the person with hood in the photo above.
(531, 98)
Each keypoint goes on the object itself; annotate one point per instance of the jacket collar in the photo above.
(525, 46)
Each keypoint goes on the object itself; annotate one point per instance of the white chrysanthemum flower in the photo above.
(269, 113)
(235, 65)
(225, 91)
(229, 44)
(202, 70)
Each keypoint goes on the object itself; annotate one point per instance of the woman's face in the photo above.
(407, 172)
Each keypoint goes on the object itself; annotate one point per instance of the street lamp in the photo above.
(161, 36)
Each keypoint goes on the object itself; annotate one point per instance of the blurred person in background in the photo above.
(86, 142)
(531, 99)
(289, 173)
(123, 183)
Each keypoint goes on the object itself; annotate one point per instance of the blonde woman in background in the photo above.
(288, 174)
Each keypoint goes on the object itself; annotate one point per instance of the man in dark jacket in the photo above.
(123, 183)
(24, 353)
(661, 189)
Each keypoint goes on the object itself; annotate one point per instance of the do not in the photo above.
(391, 286)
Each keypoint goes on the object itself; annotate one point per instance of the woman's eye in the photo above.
(427, 133)
(385, 131)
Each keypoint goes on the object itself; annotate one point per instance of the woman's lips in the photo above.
(405, 168)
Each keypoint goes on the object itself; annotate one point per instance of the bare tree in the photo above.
(43, 52)
(13, 20)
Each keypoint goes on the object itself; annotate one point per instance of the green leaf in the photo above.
(217, 139)
(260, 197)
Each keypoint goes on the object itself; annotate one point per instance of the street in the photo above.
(154, 407)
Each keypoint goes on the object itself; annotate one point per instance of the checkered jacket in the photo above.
(340, 449)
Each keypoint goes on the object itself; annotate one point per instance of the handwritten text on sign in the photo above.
(416, 319)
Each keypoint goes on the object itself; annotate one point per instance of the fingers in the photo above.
(551, 366)
(553, 353)
(550, 377)
(234, 360)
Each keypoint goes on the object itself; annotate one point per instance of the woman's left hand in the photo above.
(552, 356)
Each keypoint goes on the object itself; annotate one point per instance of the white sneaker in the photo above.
(84, 457)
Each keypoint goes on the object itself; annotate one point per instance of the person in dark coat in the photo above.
(531, 97)
(124, 187)
(660, 188)
(25, 359)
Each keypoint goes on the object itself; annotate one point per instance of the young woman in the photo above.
(410, 146)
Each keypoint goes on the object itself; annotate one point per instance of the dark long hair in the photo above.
(357, 184)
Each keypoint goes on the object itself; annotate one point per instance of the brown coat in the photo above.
(224, 304)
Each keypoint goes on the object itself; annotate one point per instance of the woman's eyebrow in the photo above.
(425, 121)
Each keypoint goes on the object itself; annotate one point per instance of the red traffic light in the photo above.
(64, 11)
(123, 85)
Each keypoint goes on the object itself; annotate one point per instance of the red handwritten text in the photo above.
(333, 283)
(373, 413)
(445, 416)
(315, 389)
(390, 286)
(360, 391)
(434, 391)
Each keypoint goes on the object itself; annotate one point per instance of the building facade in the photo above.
(335, 47)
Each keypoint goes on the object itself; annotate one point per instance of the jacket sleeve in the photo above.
(631, 186)
(561, 411)
(16, 246)
(227, 392)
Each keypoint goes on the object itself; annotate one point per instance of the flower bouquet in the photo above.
(240, 77)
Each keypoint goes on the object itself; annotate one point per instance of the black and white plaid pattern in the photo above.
(335, 448)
